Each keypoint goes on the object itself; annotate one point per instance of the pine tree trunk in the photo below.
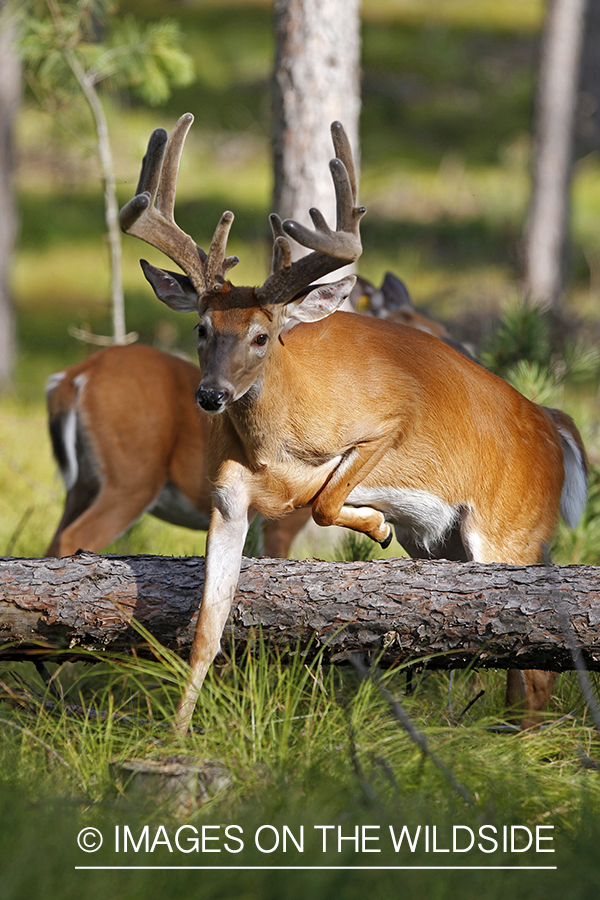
(399, 609)
(316, 81)
(547, 226)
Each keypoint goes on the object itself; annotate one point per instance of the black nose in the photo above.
(210, 400)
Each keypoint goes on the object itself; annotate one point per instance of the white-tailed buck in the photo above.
(369, 423)
(129, 438)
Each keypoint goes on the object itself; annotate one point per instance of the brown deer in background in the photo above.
(369, 423)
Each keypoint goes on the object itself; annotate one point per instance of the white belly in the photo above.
(424, 517)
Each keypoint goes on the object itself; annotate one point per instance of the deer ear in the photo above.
(176, 290)
(321, 301)
(395, 293)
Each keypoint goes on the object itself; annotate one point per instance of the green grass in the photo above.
(305, 745)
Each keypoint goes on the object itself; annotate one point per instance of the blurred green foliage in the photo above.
(112, 49)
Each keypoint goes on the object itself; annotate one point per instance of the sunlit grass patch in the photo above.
(512, 15)
(29, 492)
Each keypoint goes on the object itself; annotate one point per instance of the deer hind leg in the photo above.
(527, 690)
(113, 511)
(329, 506)
(79, 469)
(280, 533)
(79, 498)
(527, 694)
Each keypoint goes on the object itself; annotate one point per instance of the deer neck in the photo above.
(261, 418)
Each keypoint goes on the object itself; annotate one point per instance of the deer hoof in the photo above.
(386, 541)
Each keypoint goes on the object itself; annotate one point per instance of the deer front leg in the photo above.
(224, 546)
(328, 508)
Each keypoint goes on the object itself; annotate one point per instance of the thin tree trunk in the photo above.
(10, 98)
(316, 81)
(547, 226)
(111, 206)
(402, 609)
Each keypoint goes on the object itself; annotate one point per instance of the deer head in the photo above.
(238, 326)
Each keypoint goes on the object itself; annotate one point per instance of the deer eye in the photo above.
(261, 339)
(201, 331)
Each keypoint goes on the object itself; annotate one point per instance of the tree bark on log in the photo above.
(396, 609)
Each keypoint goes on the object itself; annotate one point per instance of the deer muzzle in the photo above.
(212, 400)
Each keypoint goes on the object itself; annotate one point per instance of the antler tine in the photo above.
(344, 197)
(150, 214)
(343, 151)
(217, 264)
(282, 251)
(152, 163)
(147, 185)
(331, 249)
(165, 198)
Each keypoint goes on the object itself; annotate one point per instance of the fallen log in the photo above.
(397, 609)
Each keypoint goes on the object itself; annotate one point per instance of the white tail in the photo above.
(574, 492)
(367, 422)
